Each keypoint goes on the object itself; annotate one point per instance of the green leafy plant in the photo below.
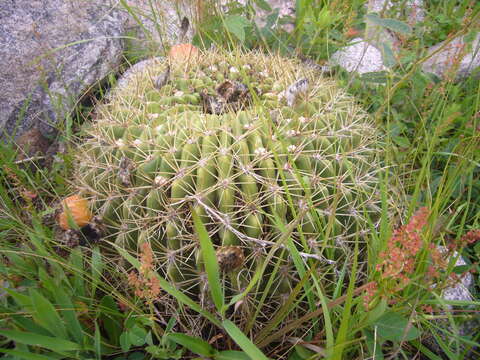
(52, 317)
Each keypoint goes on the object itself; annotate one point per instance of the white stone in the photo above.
(461, 290)
(136, 70)
(359, 56)
(445, 59)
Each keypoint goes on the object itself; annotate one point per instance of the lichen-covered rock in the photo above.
(52, 51)
(457, 57)
(466, 328)
(462, 290)
(359, 56)
(161, 23)
(246, 141)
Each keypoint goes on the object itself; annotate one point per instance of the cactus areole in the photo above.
(265, 150)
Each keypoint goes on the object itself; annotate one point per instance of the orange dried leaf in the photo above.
(77, 208)
(182, 52)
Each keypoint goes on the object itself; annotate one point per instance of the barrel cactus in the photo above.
(257, 145)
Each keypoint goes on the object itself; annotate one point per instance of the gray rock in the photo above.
(448, 55)
(136, 69)
(461, 291)
(161, 22)
(359, 56)
(52, 51)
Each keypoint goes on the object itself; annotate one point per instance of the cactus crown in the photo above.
(234, 140)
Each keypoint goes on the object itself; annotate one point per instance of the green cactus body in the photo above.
(240, 169)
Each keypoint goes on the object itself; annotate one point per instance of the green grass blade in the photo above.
(211, 264)
(47, 282)
(76, 262)
(326, 316)
(26, 355)
(341, 277)
(97, 265)
(245, 344)
(342, 335)
(285, 309)
(47, 342)
(300, 267)
(231, 355)
(294, 324)
(20, 299)
(268, 260)
(47, 316)
(256, 277)
(22, 322)
(297, 261)
(266, 290)
(425, 351)
(111, 318)
(194, 344)
(69, 315)
(97, 342)
(166, 286)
